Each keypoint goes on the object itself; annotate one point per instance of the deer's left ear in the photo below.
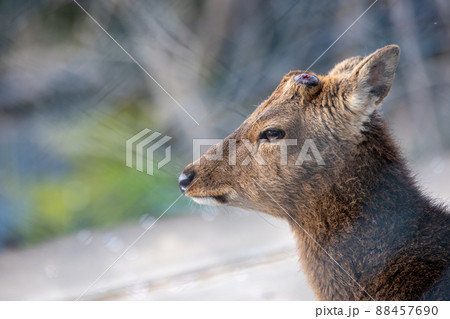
(372, 78)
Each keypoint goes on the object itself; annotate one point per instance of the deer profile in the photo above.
(363, 229)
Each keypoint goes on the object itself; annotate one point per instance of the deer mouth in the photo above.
(210, 200)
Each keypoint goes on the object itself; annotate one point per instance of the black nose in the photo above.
(186, 179)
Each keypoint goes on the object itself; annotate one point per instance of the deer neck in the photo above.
(345, 232)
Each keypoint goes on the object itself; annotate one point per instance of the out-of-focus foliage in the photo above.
(97, 181)
(70, 97)
(87, 175)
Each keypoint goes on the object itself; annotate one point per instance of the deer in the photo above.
(363, 228)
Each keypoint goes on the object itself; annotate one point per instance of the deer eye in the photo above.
(272, 135)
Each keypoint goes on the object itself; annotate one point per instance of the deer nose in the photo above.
(186, 179)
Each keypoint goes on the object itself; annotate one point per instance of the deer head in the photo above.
(297, 141)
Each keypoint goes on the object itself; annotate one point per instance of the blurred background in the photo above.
(70, 97)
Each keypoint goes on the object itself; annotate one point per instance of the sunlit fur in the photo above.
(362, 207)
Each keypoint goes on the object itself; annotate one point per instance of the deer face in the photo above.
(296, 141)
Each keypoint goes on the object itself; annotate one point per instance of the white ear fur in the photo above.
(372, 79)
(345, 67)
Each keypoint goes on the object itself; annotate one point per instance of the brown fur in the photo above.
(362, 207)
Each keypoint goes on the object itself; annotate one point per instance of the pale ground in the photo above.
(210, 256)
(231, 255)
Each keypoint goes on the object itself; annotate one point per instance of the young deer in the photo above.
(364, 230)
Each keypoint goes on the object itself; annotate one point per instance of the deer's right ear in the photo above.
(372, 78)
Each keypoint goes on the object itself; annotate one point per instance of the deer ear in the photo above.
(372, 78)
